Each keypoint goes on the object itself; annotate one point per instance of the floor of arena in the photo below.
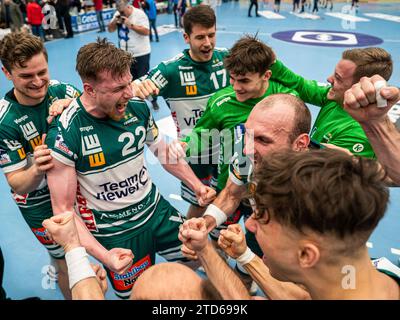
(312, 46)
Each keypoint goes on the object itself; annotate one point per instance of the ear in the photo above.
(267, 74)
(301, 143)
(308, 255)
(88, 88)
(6, 73)
(186, 37)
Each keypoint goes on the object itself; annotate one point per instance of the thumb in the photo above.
(44, 138)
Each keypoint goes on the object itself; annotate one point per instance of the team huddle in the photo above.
(74, 159)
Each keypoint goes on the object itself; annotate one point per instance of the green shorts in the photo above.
(34, 216)
(159, 235)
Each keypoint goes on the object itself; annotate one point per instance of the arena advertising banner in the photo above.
(88, 21)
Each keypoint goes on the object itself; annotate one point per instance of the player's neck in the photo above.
(90, 106)
(351, 279)
(25, 100)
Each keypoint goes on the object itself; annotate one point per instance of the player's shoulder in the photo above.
(5, 110)
(222, 97)
(175, 61)
(139, 108)
(221, 51)
(70, 115)
(62, 90)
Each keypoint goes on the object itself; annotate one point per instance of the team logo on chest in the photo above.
(91, 147)
(188, 80)
(14, 145)
(31, 134)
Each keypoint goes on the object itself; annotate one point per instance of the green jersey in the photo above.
(186, 85)
(115, 193)
(223, 113)
(21, 130)
(333, 124)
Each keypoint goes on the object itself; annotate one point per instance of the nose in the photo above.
(207, 41)
(330, 79)
(37, 81)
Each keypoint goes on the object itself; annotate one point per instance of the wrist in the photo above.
(71, 246)
(215, 212)
(78, 266)
(246, 257)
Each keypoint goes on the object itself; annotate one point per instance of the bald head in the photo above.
(294, 109)
(169, 281)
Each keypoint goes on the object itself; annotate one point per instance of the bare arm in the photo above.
(62, 183)
(227, 201)
(194, 235)
(181, 170)
(273, 288)
(139, 29)
(360, 103)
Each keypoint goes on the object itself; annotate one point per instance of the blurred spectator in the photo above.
(11, 15)
(35, 18)
(149, 7)
(98, 6)
(62, 6)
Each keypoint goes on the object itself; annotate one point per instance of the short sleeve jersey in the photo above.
(115, 191)
(21, 130)
(186, 86)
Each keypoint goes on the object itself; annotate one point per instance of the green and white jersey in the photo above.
(186, 86)
(385, 266)
(21, 130)
(223, 113)
(333, 124)
(115, 192)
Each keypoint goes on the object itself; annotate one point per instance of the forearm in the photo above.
(183, 172)
(87, 289)
(93, 247)
(273, 288)
(385, 140)
(221, 275)
(112, 26)
(25, 181)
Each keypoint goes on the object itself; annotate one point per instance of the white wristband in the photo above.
(213, 211)
(246, 257)
(380, 102)
(78, 266)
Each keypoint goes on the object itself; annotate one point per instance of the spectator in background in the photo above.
(253, 3)
(35, 18)
(149, 7)
(176, 12)
(98, 6)
(11, 15)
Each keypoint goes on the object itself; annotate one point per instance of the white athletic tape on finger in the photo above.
(380, 101)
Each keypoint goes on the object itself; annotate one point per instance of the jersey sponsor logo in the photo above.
(358, 147)
(159, 79)
(31, 134)
(86, 129)
(4, 157)
(125, 214)
(71, 92)
(191, 90)
(14, 145)
(111, 191)
(42, 236)
(191, 121)
(327, 38)
(123, 282)
(187, 78)
(85, 213)
(19, 120)
(223, 101)
(217, 65)
(20, 198)
(60, 145)
(130, 119)
(91, 147)
(185, 67)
